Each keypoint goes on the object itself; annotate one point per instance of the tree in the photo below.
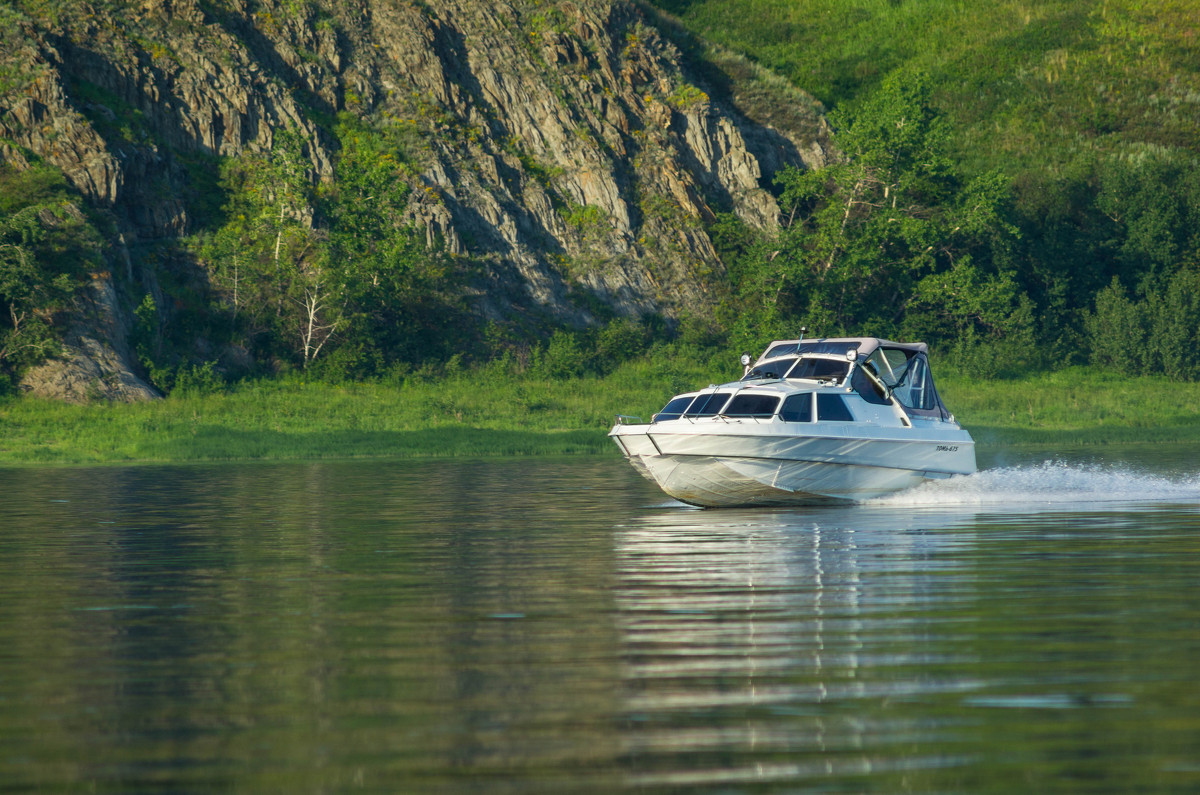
(858, 234)
(46, 245)
(402, 298)
(1153, 202)
(267, 260)
(889, 239)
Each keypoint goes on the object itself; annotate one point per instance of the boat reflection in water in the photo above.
(777, 642)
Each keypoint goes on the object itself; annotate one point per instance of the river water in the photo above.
(559, 626)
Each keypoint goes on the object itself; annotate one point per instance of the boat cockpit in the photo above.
(879, 371)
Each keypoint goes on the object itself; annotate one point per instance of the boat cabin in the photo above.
(822, 380)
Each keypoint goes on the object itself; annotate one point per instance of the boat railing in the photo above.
(625, 419)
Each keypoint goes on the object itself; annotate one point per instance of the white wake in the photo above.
(1051, 482)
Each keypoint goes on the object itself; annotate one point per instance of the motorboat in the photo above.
(810, 421)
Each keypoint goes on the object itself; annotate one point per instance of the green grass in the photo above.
(1027, 85)
(486, 412)
(1076, 406)
(496, 413)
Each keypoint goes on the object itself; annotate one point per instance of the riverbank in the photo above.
(492, 412)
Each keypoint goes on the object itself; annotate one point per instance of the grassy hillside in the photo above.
(1027, 84)
(1083, 114)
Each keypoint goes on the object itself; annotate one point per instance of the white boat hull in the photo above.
(741, 464)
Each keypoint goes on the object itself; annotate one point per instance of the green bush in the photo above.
(561, 358)
(193, 380)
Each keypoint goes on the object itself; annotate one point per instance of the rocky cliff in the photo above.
(572, 148)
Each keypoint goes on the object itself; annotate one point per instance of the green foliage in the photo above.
(685, 97)
(16, 72)
(1055, 149)
(620, 341)
(888, 241)
(403, 300)
(147, 340)
(1025, 84)
(305, 273)
(195, 380)
(562, 357)
(590, 222)
(267, 261)
(46, 247)
(1160, 333)
(1153, 204)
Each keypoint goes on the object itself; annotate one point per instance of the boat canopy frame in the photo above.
(913, 388)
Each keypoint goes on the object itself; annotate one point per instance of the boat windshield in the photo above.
(820, 369)
(674, 409)
(751, 405)
(890, 364)
(708, 405)
(907, 375)
(775, 368)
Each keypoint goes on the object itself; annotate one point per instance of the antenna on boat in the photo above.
(803, 331)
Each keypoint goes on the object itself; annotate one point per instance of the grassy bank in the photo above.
(1076, 406)
(490, 411)
(494, 412)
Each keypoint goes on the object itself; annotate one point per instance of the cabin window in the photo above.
(674, 409)
(797, 408)
(761, 406)
(820, 369)
(831, 408)
(707, 405)
(775, 369)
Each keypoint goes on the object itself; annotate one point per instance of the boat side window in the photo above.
(674, 409)
(744, 405)
(707, 405)
(833, 408)
(820, 369)
(775, 369)
(916, 390)
(797, 408)
(890, 364)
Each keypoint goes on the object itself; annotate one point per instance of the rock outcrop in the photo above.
(568, 146)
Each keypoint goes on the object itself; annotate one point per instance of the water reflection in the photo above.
(746, 633)
(898, 645)
(554, 626)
